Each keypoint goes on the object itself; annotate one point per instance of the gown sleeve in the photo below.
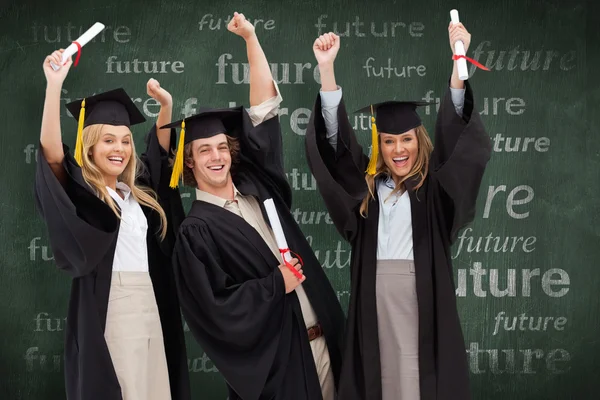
(238, 325)
(340, 172)
(155, 173)
(81, 227)
(462, 149)
(261, 154)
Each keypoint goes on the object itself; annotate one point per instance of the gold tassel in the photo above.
(178, 164)
(79, 139)
(372, 167)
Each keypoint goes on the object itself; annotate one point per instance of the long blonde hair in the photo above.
(93, 176)
(420, 168)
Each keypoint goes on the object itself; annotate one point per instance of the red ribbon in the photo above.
(297, 274)
(472, 61)
(78, 53)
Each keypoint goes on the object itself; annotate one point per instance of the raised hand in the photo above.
(241, 26)
(458, 32)
(326, 48)
(158, 93)
(56, 77)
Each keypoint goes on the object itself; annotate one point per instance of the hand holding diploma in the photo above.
(281, 241)
(77, 45)
(459, 42)
(55, 78)
(460, 39)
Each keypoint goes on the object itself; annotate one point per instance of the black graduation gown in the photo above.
(440, 208)
(233, 295)
(83, 236)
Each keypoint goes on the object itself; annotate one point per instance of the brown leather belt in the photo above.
(314, 332)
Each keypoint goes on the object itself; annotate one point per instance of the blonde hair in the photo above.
(420, 168)
(188, 173)
(94, 177)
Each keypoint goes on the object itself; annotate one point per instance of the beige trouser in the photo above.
(323, 364)
(398, 328)
(134, 338)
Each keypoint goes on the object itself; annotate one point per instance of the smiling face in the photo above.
(112, 151)
(211, 163)
(399, 152)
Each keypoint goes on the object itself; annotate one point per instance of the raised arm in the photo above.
(334, 156)
(325, 49)
(457, 87)
(166, 111)
(160, 145)
(459, 98)
(50, 135)
(262, 87)
(462, 146)
(457, 32)
(260, 140)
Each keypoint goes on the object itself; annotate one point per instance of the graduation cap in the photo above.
(112, 108)
(394, 117)
(207, 123)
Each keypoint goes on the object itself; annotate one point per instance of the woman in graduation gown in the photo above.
(401, 211)
(106, 213)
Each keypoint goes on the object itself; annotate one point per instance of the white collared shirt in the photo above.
(265, 110)
(131, 253)
(394, 232)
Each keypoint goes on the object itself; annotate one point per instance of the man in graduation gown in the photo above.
(443, 205)
(271, 335)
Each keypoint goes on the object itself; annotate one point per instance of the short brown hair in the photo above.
(188, 173)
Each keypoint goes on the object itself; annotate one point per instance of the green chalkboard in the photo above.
(526, 269)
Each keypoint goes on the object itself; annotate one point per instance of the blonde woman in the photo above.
(400, 210)
(105, 213)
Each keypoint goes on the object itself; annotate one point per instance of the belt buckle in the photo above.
(314, 332)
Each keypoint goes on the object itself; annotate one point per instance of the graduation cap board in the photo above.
(208, 122)
(393, 117)
(112, 108)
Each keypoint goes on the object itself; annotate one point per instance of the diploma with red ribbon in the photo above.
(286, 254)
(459, 53)
(76, 46)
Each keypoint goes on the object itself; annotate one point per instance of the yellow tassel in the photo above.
(79, 141)
(178, 164)
(372, 167)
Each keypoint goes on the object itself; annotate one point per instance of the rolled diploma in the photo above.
(278, 232)
(459, 50)
(82, 40)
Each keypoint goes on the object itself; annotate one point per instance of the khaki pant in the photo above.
(134, 337)
(323, 365)
(398, 327)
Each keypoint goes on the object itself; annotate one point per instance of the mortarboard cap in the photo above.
(113, 108)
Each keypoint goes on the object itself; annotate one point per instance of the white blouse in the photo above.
(131, 253)
(394, 232)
